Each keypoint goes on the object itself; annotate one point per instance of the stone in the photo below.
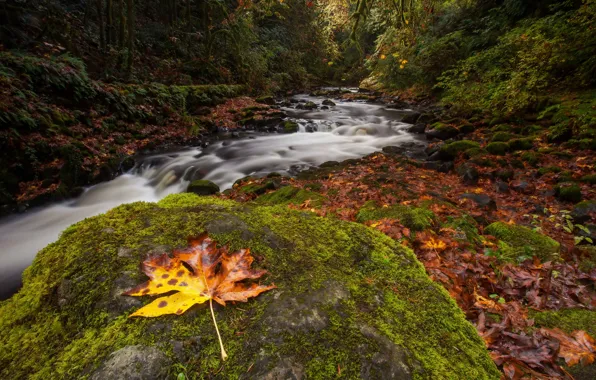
(289, 127)
(410, 117)
(417, 128)
(307, 106)
(393, 150)
(441, 131)
(331, 277)
(502, 187)
(568, 192)
(202, 187)
(134, 363)
(584, 211)
(468, 173)
(481, 200)
(266, 100)
(523, 187)
(328, 102)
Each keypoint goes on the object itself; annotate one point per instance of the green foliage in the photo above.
(415, 218)
(497, 148)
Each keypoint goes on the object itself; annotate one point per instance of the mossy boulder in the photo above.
(523, 241)
(502, 136)
(475, 152)
(291, 195)
(289, 127)
(202, 187)
(454, 148)
(568, 192)
(497, 148)
(346, 295)
(267, 99)
(589, 178)
(583, 211)
(521, 144)
(441, 131)
(415, 218)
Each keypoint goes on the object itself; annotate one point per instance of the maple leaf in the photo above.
(577, 348)
(197, 274)
(437, 244)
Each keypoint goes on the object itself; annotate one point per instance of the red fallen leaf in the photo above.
(577, 348)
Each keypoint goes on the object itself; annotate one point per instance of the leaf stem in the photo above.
(224, 356)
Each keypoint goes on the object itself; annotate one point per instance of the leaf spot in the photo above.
(162, 304)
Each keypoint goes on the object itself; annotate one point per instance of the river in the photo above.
(347, 130)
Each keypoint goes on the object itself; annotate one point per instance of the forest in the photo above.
(369, 189)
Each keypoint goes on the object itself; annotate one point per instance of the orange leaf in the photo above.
(431, 243)
(576, 348)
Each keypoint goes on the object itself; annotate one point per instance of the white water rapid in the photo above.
(347, 130)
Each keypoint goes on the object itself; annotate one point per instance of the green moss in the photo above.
(290, 127)
(524, 241)
(549, 169)
(475, 152)
(521, 144)
(454, 148)
(502, 136)
(417, 219)
(531, 158)
(589, 178)
(294, 195)
(568, 320)
(498, 148)
(70, 315)
(569, 192)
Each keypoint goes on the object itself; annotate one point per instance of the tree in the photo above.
(131, 34)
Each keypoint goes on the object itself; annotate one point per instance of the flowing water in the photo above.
(347, 130)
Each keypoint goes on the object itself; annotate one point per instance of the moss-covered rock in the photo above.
(568, 320)
(521, 144)
(498, 148)
(549, 169)
(293, 195)
(454, 148)
(202, 187)
(524, 241)
(569, 192)
(441, 131)
(531, 158)
(348, 293)
(475, 152)
(502, 136)
(589, 178)
(415, 218)
(289, 127)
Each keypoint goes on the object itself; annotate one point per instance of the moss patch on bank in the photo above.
(368, 292)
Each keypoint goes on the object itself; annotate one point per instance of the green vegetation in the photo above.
(454, 148)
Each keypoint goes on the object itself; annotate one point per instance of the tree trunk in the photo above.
(131, 34)
(102, 40)
(109, 23)
(122, 30)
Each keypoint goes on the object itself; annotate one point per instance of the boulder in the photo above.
(584, 211)
(328, 102)
(410, 117)
(266, 100)
(481, 200)
(202, 187)
(523, 241)
(441, 131)
(346, 295)
(417, 128)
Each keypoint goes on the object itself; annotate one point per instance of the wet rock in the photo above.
(289, 127)
(417, 128)
(325, 107)
(523, 187)
(311, 128)
(468, 173)
(441, 131)
(228, 223)
(584, 211)
(411, 118)
(134, 363)
(329, 164)
(481, 200)
(127, 164)
(502, 187)
(202, 187)
(394, 150)
(328, 102)
(307, 106)
(442, 167)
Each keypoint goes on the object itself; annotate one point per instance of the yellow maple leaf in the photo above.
(435, 244)
(202, 272)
